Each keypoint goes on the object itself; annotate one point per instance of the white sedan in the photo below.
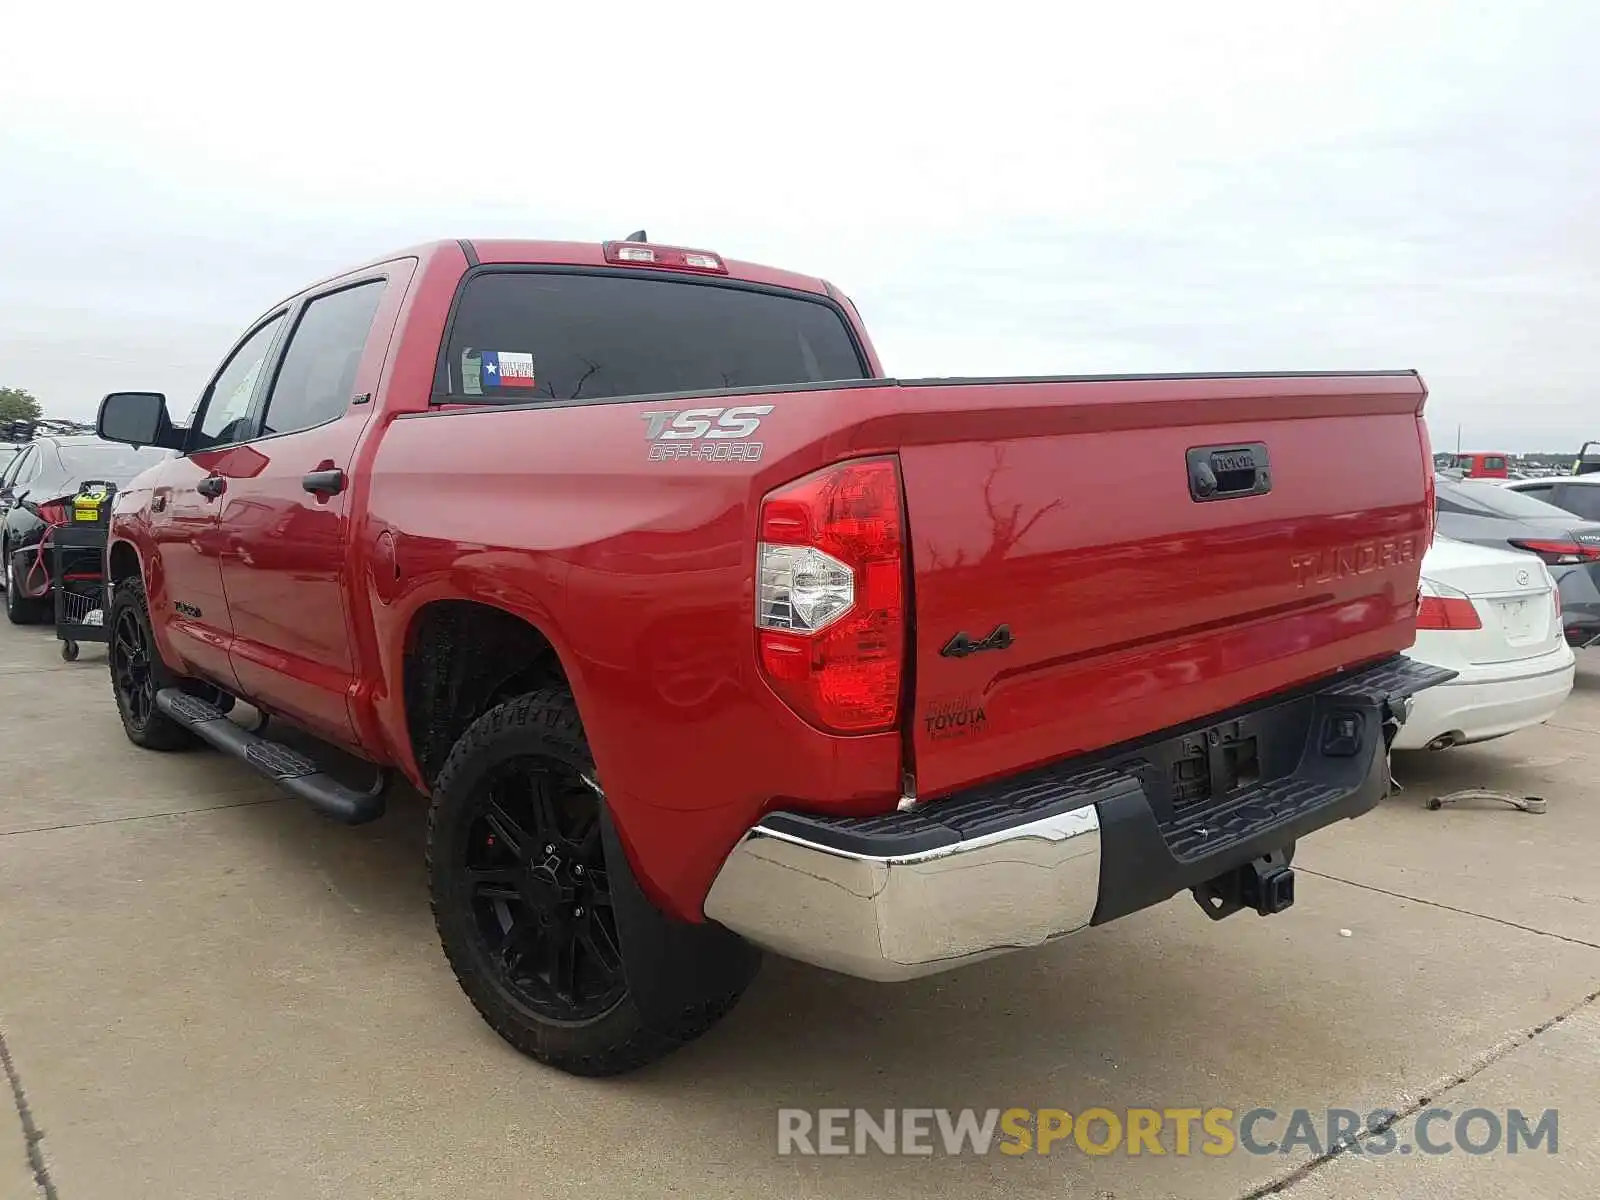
(1494, 617)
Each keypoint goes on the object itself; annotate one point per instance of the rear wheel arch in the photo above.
(462, 658)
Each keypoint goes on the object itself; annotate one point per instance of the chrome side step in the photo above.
(289, 769)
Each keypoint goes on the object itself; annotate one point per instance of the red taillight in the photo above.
(672, 258)
(1447, 612)
(830, 596)
(1559, 554)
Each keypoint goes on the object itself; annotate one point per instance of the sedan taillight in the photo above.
(1448, 612)
(1559, 553)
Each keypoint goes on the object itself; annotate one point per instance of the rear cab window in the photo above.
(530, 335)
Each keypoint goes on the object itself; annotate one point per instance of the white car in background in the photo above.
(1494, 617)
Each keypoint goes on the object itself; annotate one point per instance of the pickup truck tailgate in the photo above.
(1094, 560)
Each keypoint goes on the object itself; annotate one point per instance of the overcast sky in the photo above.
(1068, 188)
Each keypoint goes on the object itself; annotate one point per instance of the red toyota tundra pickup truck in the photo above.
(705, 637)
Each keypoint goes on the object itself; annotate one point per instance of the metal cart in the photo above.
(77, 571)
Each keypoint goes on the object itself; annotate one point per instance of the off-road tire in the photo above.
(541, 724)
(156, 730)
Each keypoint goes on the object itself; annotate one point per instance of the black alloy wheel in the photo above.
(533, 875)
(138, 673)
(130, 668)
(538, 910)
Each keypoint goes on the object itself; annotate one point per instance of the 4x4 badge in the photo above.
(961, 645)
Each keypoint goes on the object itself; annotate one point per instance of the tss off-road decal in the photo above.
(705, 434)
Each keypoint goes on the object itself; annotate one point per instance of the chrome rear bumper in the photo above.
(1019, 862)
(899, 917)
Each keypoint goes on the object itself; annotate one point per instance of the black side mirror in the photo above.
(138, 418)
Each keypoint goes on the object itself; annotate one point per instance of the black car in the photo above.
(1488, 514)
(36, 487)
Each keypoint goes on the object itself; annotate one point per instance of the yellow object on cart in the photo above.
(89, 504)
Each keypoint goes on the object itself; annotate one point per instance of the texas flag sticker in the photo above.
(506, 369)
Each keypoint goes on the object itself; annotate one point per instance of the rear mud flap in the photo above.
(677, 972)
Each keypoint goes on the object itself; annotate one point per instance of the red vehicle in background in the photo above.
(702, 635)
(1482, 464)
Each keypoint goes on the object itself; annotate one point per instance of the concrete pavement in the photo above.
(207, 991)
(1562, 1062)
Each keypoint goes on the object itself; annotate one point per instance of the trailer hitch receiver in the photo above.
(1265, 884)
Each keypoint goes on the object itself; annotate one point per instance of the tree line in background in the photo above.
(18, 404)
(22, 417)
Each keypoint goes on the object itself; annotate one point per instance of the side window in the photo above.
(13, 468)
(1582, 499)
(1539, 491)
(227, 415)
(318, 374)
(28, 468)
(1494, 463)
